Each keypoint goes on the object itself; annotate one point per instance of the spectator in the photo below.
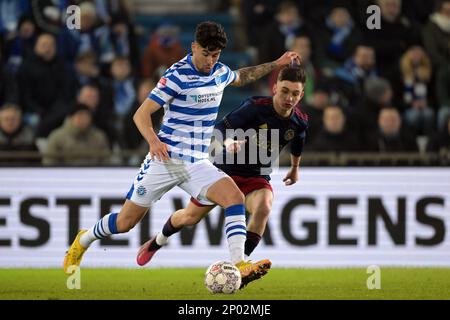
(378, 94)
(124, 88)
(92, 36)
(43, 87)
(132, 138)
(124, 40)
(338, 37)
(391, 137)
(14, 135)
(443, 95)
(397, 35)
(100, 103)
(314, 109)
(77, 142)
(436, 35)
(256, 15)
(10, 13)
(8, 87)
(302, 45)
(86, 70)
(21, 45)
(108, 10)
(416, 73)
(334, 137)
(163, 50)
(440, 141)
(355, 71)
(280, 34)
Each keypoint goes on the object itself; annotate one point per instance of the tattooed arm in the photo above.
(248, 75)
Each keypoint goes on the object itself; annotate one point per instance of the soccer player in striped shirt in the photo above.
(190, 91)
(253, 136)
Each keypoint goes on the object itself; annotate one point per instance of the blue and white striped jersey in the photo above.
(191, 100)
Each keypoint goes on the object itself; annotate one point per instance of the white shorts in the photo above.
(156, 178)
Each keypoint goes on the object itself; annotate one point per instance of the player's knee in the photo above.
(263, 210)
(235, 197)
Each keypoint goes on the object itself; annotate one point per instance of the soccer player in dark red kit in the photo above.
(269, 123)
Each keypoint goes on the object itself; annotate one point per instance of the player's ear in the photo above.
(274, 89)
(302, 94)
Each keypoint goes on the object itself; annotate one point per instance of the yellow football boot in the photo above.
(75, 254)
(253, 271)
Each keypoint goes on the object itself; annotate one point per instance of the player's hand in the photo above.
(291, 177)
(233, 146)
(159, 150)
(289, 57)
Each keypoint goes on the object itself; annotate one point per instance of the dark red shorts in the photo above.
(250, 184)
(246, 185)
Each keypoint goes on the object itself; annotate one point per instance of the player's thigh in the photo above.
(225, 193)
(209, 186)
(130, 215)
(259, 201)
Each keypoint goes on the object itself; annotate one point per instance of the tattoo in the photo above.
(251, 74)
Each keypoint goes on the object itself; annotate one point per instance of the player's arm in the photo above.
(241, 118)
(143, 120)
(296, 155)
(248, 75)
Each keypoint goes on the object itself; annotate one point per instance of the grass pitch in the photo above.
(181, 284)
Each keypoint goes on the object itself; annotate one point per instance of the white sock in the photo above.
(105, 227)
(161, 239)
(236, 231)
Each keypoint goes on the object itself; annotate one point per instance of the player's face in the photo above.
(203, 59)
(287, 95)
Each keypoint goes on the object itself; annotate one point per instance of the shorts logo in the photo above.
(141, 190)
(289, 134)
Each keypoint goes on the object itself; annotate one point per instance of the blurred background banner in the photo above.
(333, 217)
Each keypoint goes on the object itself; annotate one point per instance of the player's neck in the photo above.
(284, 113)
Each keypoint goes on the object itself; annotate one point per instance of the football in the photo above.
(222, 277)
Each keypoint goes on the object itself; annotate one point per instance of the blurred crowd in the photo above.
(70, 94)
(372, 90)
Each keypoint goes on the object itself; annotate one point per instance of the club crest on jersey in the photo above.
(141, 190)
(289, 135)
(218, 80)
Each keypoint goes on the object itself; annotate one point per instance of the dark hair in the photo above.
(211, 36)
(296, 74)
(77, 107)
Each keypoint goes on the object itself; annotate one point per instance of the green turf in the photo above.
(179, 284)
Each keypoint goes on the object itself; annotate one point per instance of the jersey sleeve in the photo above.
(230, 76)
(168, 87)
(297, 144)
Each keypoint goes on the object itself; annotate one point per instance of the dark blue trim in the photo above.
(184, 146)
(130, 192)
(236, 227)
(169, 91)
(237, 233)
(235, 210)
(194, 111)
(112, 223)
(177, 155)
(192, 123)
(184, 134)
(157, 99)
